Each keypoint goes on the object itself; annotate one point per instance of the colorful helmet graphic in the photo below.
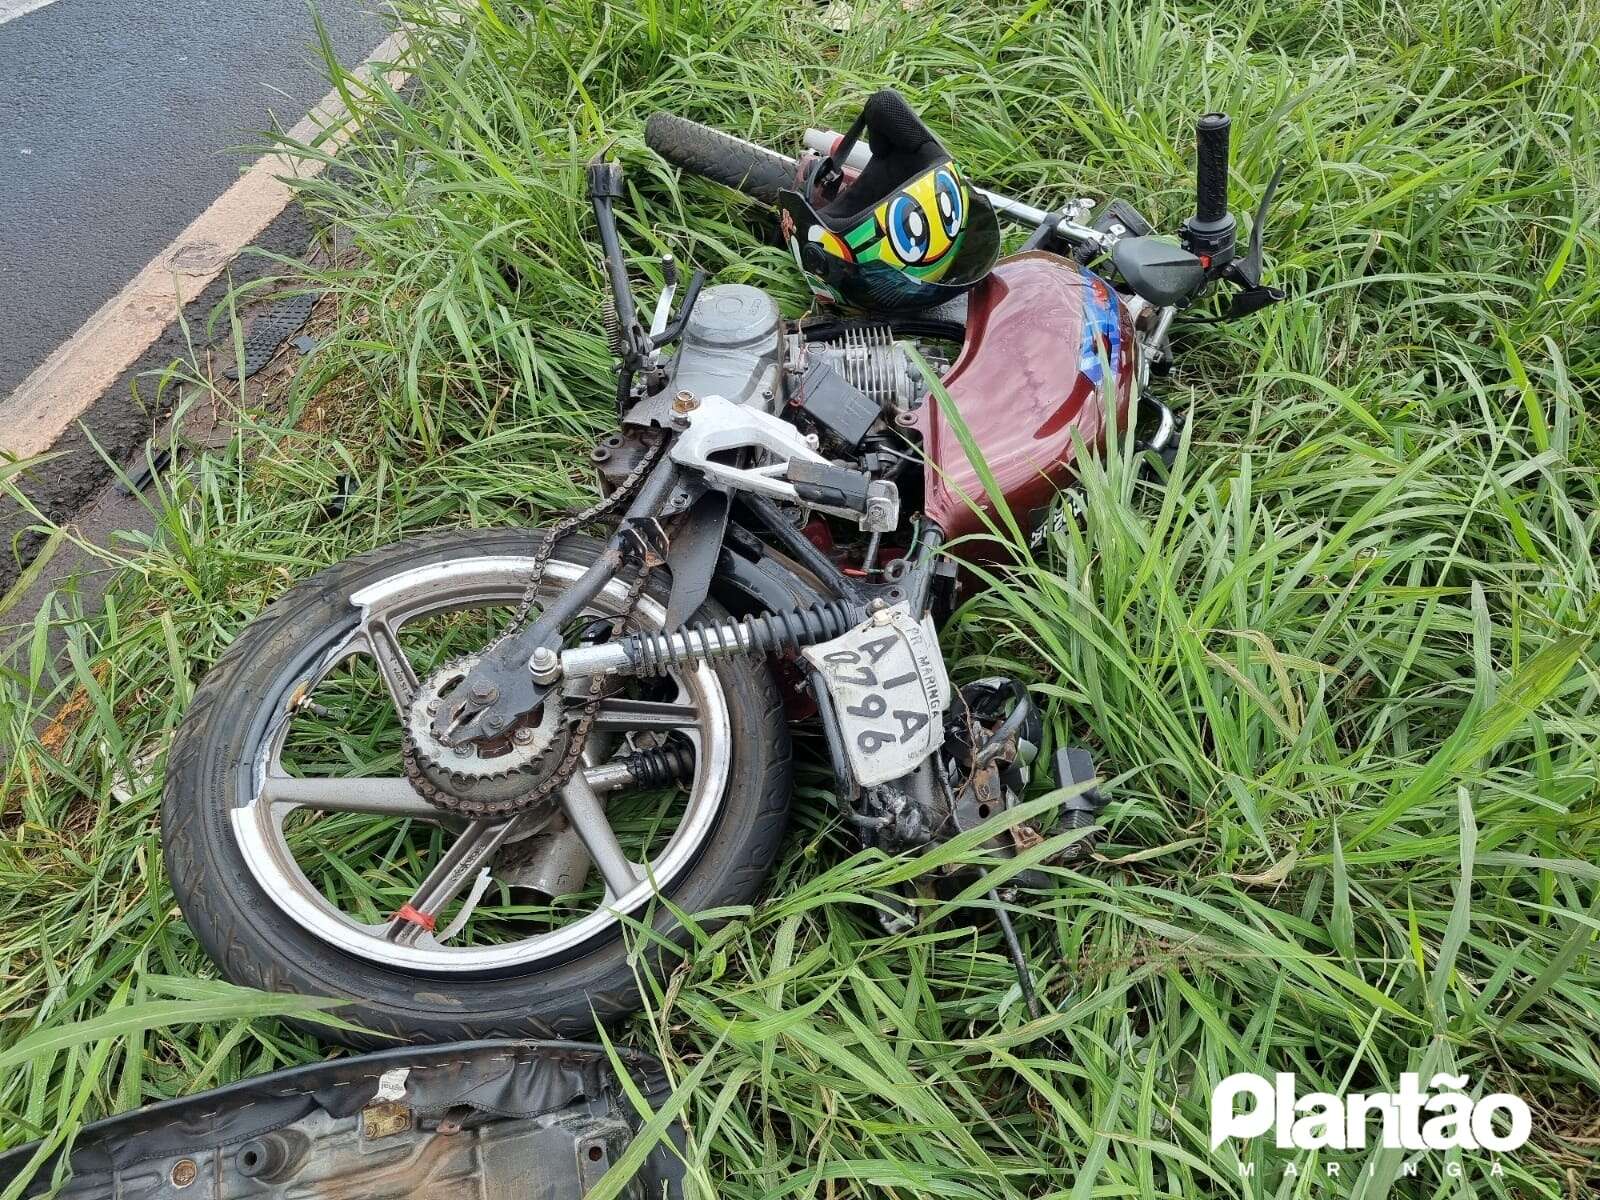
(907, 232)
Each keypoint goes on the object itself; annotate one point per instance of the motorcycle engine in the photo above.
(870, 359)
(735, 346)
(732, 347)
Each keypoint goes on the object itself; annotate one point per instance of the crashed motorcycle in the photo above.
(444, 778)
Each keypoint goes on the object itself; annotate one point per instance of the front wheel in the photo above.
(305, 862)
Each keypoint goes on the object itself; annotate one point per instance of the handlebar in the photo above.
(720, 157)
(1211, 167)
(1210, 232)
(1209, 235)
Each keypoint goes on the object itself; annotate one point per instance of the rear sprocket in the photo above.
(502, 777)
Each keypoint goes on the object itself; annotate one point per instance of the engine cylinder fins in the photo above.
(870, 360)
(767, 633)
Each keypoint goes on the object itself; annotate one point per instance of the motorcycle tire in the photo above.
(255, 944)
(720, 157)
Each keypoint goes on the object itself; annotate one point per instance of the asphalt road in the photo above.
(120, 123)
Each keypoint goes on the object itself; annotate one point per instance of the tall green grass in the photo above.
(1341, 669)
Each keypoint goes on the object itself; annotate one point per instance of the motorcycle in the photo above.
(587, 727)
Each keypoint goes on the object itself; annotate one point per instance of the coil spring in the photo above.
(612, 324)
(768, 633)
(661, 766)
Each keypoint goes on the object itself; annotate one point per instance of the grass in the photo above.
(1342, 668)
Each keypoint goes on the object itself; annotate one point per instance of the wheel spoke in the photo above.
(467, 856)
(381, 797)
(621, 713)
(587, 817)
(393, 665)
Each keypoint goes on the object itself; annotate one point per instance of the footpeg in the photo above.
(840, 489)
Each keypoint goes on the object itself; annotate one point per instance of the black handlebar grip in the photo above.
(1211, 167)
(721, 157)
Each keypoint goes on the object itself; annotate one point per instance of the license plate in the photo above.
(887, 681)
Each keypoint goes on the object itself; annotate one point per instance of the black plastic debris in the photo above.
(267, 331)
(151, 463)
(498, 1120)
(344, 490)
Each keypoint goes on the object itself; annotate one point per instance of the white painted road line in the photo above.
(78, 372)
(10, 10)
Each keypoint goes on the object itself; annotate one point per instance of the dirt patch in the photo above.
(53, 737)
(132, 411)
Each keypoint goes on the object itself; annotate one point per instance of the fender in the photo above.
(744, 584)
(355, 1126)
(692, 558)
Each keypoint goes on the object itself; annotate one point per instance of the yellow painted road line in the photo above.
(79, 371)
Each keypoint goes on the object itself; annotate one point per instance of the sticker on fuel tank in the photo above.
(1102, 329)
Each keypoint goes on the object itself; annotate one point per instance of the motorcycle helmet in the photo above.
(907, 232)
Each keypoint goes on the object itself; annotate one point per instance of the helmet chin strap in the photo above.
(828, 174)
(891, 127)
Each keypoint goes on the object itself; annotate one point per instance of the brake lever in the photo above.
(1246, 271)
(1242, 304)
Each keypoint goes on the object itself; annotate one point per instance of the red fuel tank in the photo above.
(1040, 332)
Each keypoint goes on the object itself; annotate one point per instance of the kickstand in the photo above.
(1018, 960)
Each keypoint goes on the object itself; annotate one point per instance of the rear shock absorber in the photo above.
(768, 633)
(661, 766)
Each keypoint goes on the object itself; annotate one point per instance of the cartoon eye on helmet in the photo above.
(908, 232)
